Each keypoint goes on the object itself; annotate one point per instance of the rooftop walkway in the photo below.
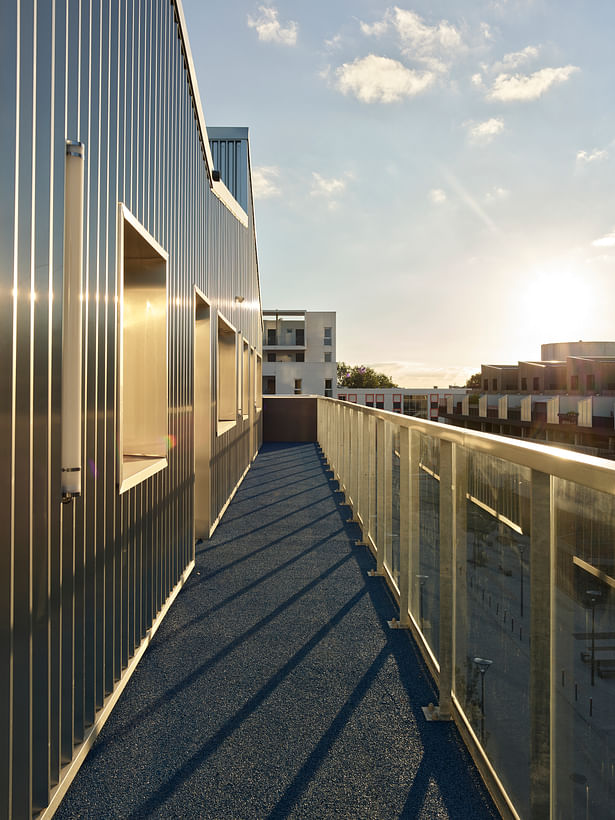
(274, 687)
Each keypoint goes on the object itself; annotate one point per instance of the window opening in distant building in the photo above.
(298, 386)
(328, 337)
(494, 384)
(524, 383)
(341, 396)
(300, 336)
(271, 357)
(300, 357)
(369, 399)
(397, 402)
(328, 387)
(380, 401)
(271, 340)
(591, 381)
(327, 357)
(486, 384)
(536, 383)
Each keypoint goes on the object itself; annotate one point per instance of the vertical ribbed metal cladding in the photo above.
(82, 583)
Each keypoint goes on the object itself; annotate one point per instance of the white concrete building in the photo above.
(299, 352)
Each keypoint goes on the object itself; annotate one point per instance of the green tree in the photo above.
(361, 376)
(473, 381)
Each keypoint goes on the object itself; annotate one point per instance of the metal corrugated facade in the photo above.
(81, 584)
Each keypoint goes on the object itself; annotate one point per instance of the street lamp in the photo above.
(593, 595)
(483, 664)
(421, 580)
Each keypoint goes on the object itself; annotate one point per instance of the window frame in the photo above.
(226, 423)
(133, 470)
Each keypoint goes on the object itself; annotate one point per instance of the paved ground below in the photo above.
(274, 687)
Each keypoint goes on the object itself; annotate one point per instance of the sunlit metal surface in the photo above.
(83, 584)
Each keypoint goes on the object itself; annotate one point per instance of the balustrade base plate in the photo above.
(373, 573)
(433, 714)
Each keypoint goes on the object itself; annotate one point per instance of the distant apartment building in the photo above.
(299, 352)
(566, 398)
(421, 402)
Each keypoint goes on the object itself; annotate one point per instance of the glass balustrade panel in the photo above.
(492, 614)
(583, 673)
(426, 581)
(394, 538)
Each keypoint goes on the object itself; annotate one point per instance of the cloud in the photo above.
(484, 132)
(380, 79)
(607, 241)
(512, 87)
(329, 189)
(375, 29)
(265, 181)
(269, 28)
(334, 42)
(433, 45)
(496, 194)
(477, 79)
(437, 196)
(516, 58)
(326, 187)
(593, 156)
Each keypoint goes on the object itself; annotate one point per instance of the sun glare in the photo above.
(556, 306)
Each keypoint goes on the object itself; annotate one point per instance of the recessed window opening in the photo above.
(245, 397)
(327, 357)
(258, 383)
(227, 375)
(143, 411)
(298, 386)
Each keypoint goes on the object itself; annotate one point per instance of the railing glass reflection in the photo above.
(501, 555)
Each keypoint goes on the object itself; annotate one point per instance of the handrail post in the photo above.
(541, 577)
(447, 535)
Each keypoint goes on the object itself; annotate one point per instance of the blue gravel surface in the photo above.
(274, 687)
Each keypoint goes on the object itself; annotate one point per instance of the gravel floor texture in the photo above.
(274, 687)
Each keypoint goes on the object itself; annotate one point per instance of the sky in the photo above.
(441, 174)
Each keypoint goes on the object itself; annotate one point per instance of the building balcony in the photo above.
(282, 347)
(371, 564)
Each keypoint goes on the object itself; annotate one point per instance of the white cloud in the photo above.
(496, 194)
(269, 28)
(265, 181)
(477, 80)
(380, 79)
(334, 42)
(485, 29)
(414, 31)
(433, 45)
(607, 241)
(592, 156)
(437, 196)
(375, 29)
(511, 87)
(484, 132)
(516, 58)
(327, 187)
